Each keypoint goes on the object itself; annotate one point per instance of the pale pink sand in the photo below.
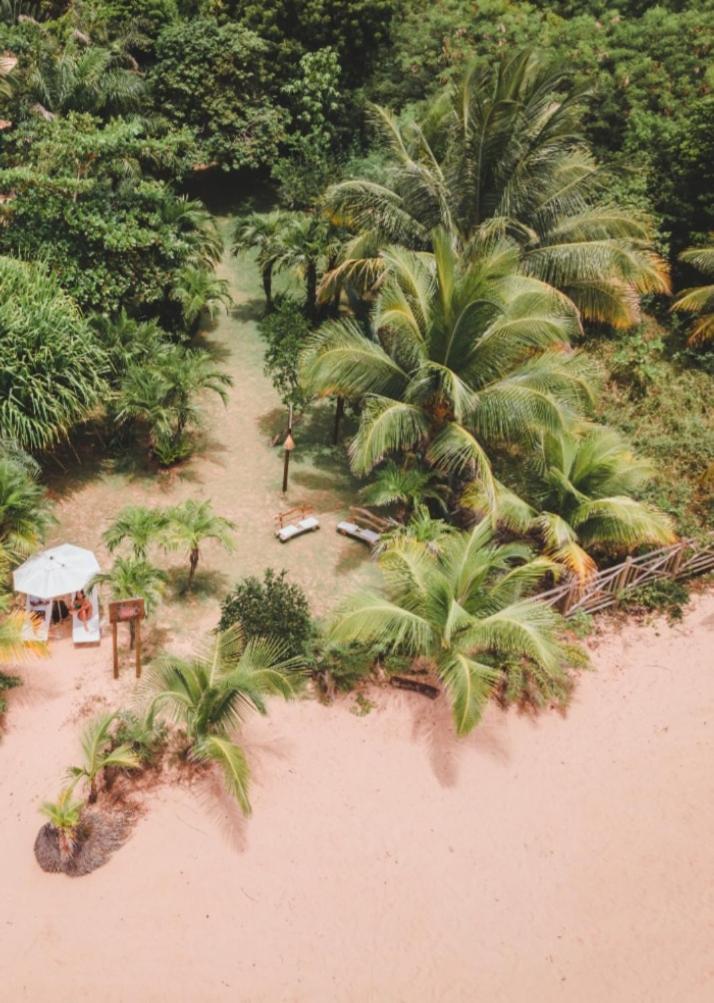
(563, 859)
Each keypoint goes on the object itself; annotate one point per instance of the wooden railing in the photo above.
(680, 560)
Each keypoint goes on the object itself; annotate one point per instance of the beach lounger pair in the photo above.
(295, 522)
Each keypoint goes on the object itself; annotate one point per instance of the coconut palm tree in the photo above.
(405, 486)
(100, 752)
(192, 522)
(263, 232)
(199, 292)
(25, 514)
(131, 578)
(700, 299)
(461, 605)
(463, 354)
(139, 526)
(580, 494)
(502, 152)
(206, 693)
(307, 240)
(64, 816)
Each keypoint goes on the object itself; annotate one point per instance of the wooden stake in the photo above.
(116, 653)
(138, 647)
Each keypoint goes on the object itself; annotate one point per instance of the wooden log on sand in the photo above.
(416, 687)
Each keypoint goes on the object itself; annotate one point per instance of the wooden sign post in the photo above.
(129, 611)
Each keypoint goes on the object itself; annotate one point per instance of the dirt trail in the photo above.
(239, 470)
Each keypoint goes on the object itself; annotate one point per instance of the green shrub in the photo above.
(663, 595)
(273, 608)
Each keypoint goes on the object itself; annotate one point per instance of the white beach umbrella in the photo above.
(56, 571)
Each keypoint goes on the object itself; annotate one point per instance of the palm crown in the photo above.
(463, 354)
(502, 152)
(206, 693)
(461, 604)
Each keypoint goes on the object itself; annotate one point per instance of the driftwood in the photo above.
(414, 686)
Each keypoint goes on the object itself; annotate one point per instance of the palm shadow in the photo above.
(207, 584)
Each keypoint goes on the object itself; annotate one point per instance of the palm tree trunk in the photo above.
(268, 287)
(311, 290)
(339, 411)
(92, 791)
(192, 565)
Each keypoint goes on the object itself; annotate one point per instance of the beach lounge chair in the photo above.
(295, 522)
(91, 633)
(367, 536)
(37, 626)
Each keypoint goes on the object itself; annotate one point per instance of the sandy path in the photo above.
(563, 859)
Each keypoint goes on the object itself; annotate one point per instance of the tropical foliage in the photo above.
(463, 354)
(101, 752)
(206, 694)
(189, 525)
(462, 605)
(699, 300)
(502, 154)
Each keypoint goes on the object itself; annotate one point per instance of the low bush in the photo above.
(272, 608)
(662, 595)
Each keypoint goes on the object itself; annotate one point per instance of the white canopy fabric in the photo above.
(56, 571)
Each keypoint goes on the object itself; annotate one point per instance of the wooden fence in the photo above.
(680, 560)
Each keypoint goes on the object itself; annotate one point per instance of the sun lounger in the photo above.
(37, 625)
(91, 633)
(305, 525)
(367, 536)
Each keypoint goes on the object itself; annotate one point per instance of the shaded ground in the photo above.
(240, 472)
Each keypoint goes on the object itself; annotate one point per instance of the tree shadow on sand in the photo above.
(433, 727)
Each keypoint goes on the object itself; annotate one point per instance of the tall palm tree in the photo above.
(131, 578)
(502, 152)
(25, 514)
(462, 605)
(307, 240)
(464, 354)
(263, 232)
(192, 522)
(64, 816)
(138, 525)
(700, 299)
(199, 292)
(581, 487)
(100, 752)
(206, 693)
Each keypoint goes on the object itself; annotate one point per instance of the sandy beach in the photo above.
(558, 858)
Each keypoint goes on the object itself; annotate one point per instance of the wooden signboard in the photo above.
(129, 611)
